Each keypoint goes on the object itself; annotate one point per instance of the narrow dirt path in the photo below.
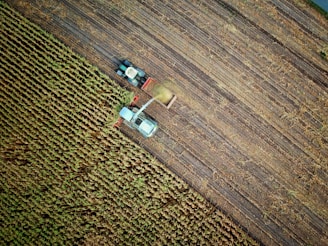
(249, 128)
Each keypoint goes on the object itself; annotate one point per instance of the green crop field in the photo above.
(68, 177)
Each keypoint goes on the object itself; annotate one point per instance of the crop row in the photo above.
(67, 174)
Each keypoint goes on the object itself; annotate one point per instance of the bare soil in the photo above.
(249, 130)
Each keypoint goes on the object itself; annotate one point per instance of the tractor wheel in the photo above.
(119, 72)
(133, 82)
(141, 73)
(142, 80)
(122, 67)
(127, 63)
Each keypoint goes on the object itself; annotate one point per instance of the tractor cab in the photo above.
(136, 76)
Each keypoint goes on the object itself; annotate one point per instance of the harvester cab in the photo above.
(137, 119)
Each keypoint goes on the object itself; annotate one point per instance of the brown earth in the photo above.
(249, 130)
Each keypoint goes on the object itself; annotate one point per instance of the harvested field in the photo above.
(68, 177)
(249, 129)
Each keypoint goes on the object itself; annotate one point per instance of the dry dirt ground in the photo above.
(249, 130)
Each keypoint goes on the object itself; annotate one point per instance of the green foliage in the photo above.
(324, 53)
